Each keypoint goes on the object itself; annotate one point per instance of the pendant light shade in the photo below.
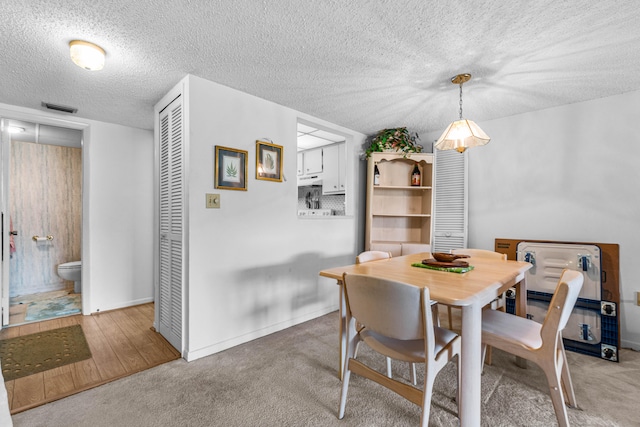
(462, 133)
(86, 55)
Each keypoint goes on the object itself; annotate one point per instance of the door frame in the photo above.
(23, 114)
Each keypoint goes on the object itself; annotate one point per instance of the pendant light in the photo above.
(86, 55)
(462, 133)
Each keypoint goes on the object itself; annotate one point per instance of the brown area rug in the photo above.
(30, 354)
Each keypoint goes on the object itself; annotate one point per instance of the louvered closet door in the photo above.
(171, 223)
(450, 229)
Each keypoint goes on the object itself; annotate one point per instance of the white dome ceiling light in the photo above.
(87, 55)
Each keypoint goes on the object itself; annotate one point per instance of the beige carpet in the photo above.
(289, 379)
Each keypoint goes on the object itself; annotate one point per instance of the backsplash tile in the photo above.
(335, 202)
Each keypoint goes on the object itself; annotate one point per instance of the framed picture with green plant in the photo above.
(231, 169)
(268, 161)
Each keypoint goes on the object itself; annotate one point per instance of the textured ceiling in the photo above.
(362, 64)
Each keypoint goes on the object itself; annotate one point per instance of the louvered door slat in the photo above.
(450, 228)
(164, 174)
(165, 284)
(176, 169)
(176, 288)
(171, 185)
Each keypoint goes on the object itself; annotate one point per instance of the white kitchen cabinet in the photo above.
(312, 161)
(300, 164)
(333, 181)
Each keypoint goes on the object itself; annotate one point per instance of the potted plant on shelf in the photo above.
(394, 139)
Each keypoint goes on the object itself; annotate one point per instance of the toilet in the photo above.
(72, 271)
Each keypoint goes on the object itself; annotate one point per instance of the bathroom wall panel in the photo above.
(45, 199)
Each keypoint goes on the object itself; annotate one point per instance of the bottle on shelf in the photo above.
(376, 175)
(416, 180)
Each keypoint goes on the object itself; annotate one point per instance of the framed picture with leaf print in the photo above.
(268, 161)
(231, 169)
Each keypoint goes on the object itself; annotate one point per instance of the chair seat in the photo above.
(406, 350)
(541, 343)
(513, 328)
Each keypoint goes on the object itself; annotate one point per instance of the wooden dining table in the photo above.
(470, 291)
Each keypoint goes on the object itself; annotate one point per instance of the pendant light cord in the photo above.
(460, 101)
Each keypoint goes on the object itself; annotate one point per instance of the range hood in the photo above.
(315, 179)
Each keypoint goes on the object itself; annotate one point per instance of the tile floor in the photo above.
(18, 306)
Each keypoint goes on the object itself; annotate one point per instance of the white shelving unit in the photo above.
(398, 214)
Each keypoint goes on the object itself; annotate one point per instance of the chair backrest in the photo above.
(414, 248)
(393, 309)
(372, 256)
(479, 253)
(562, 303)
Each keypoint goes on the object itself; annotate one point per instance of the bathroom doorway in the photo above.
(42, 221)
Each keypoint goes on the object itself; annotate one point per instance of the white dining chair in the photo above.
(368, 256)
(372, 256)
(540, 343)
(377, 255)
(397, 322)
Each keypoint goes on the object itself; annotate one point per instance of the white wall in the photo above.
(570, 174)
(253, 264)
(121, 216)
(118, 209)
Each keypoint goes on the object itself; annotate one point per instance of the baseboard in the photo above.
(124, 304)
(630, 344)
(224, 345)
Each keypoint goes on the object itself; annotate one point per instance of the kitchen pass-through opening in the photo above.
(321, 172)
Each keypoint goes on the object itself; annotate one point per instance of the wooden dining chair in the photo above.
(377, 255)
(368, 256)
(397, 322)
(540, 343)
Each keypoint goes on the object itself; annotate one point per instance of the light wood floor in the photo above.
(122, 342)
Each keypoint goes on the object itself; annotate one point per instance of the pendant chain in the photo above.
(460, 101)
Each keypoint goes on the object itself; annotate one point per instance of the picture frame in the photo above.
(230, 168)
(269, 161)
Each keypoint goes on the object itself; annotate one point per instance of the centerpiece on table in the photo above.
(394, 139)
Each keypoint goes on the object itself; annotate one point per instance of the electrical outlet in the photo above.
(213, 201)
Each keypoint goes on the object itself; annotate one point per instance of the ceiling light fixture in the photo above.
(462, 133)
(87, 55)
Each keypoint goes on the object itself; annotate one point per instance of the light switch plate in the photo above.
(213, 201)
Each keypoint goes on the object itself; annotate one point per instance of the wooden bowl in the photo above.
(445, 257)
(455, 263)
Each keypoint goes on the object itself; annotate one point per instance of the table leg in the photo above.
(342, 312)
(470, 366)
(521, 298)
